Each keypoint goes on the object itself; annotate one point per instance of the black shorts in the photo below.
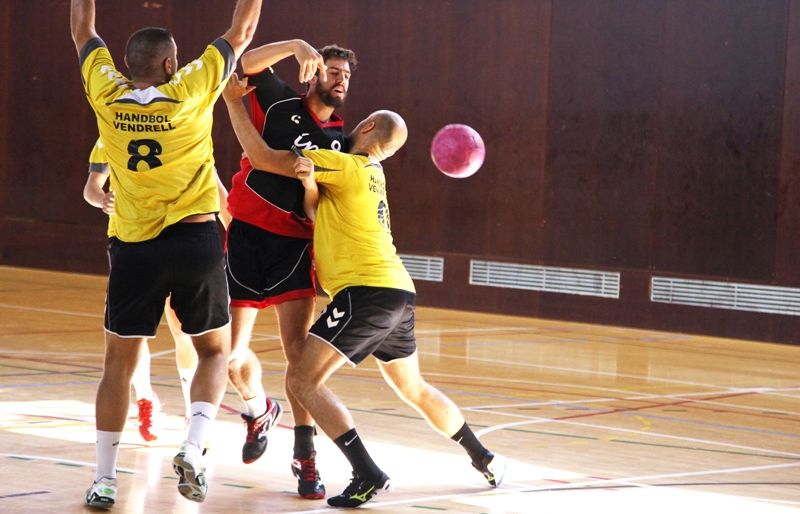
(185, 260)
(267, 269)
(362, 321)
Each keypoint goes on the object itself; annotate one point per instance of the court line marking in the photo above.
(49, 311)
(585, 484)
(475, 359)
(647, 378)
(534, 420)
(489, 429)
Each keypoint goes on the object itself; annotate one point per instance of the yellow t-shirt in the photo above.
(352, 233)
(157, 140)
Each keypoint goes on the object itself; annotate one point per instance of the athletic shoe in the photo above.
(493, 468)
(148, 411)
(102, 493)
(361, 490)
(256, 442)
(309, 486)
(191, 472)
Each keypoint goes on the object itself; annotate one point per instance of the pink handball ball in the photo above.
(457, 150)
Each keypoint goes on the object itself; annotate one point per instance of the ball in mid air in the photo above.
(457, 150)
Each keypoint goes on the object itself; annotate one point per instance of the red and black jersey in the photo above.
(274, 202)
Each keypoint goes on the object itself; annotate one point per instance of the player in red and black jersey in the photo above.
(269, 240)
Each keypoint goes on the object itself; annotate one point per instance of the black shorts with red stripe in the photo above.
(361, 321)
(267, 269)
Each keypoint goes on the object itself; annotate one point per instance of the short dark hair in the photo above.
(335, 51)
(146, 49)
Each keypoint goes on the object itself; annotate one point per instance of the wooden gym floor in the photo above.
(592, 418)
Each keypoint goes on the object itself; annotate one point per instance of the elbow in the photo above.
(247, 61)
(241, 39)
(259, 162)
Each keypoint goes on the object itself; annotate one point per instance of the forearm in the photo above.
(93, 196)
(261, 156)
(224, 215)
(81, 22)
(243, 26)
(265, 56)
(310, 199)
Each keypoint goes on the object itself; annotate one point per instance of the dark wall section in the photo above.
(719, 138)
(647, 137)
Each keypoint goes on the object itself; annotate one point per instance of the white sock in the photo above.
(203, 414)
(256, 406)
(107, 450)
(186, 375)
(141, 377)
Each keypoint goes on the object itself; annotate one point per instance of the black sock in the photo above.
(466, 438)
(353, 448)
(303, 442)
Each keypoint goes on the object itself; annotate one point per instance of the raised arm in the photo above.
(81, 22)
(257, 59)
(243, 26)
(262, 157)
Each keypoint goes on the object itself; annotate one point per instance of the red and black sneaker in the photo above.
(256, 442)
(309, 485)
(148, 411)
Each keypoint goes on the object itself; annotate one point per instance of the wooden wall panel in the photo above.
(5, 122)
(605, 78)
(656, 136)
(719, 138)
(787, 270)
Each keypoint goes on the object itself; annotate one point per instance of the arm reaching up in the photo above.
(243, 26)
(81, 22)
(262, 157)
(310, 61)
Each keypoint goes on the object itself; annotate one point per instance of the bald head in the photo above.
(380, 134)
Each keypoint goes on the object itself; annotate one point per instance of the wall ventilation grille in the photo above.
(544, 278)
(726, 295)
(422, 267)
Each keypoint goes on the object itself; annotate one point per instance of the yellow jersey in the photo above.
(157, 140)
(353, 243)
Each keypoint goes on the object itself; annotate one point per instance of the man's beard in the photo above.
(327, 98)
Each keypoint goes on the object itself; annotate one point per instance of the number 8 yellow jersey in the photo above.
(157, 140)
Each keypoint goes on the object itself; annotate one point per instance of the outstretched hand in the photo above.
(310, 61)
(236, 88)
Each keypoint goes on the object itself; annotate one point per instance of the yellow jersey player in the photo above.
(155, 126)
(372, 295)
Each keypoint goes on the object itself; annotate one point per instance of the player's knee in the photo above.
(293, 348)
(298, 383)
(411, 390)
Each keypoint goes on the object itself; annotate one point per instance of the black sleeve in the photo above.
(270, 88)
(88, 48)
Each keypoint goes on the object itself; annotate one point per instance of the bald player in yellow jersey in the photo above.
(155, 126)
(372, 295)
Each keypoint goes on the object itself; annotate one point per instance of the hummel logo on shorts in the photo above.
(334, 318)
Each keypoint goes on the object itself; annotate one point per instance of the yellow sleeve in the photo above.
(101, 79)
(98, 162)
(331, 168)
(206, 74)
